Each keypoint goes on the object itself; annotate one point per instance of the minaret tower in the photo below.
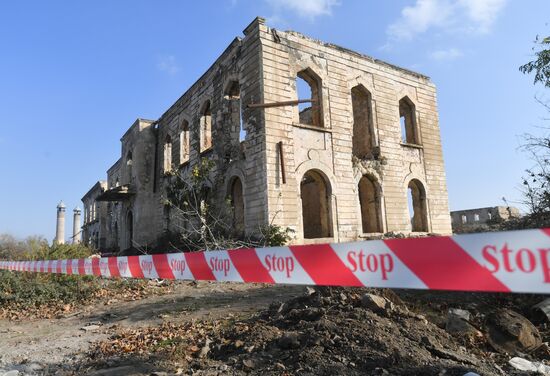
(60, 228)
(77, 234)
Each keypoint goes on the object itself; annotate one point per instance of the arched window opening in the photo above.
(233, 96)
(237, 206)
(315, 193)
(417, 206)
(184, 142)
(166, 213)
(308, 87)
(167, 154)
(369, 200)
(206, 127)
(464, 219)
(110, 216)
(130, 230)
(363, 130)
(407, 121)
(129, 167)
(115, 245)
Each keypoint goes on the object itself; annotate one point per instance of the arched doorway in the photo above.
(316, 209)
(130, 229)
(418, 211)
(369, 200)
(237, 205)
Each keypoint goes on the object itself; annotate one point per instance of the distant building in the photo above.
(472, 218)
(94, 229)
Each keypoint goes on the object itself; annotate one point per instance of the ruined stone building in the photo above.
(479, 218)
(94, 228)
(304, 134)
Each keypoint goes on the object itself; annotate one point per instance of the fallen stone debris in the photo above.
(526, 365)
(342, 331)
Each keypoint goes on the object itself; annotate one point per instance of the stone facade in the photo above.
(93, 229)
(357, 159)
(478, 218)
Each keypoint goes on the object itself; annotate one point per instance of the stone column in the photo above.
(60, 228)
(77, 233)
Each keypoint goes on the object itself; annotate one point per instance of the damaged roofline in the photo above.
(136, 122)
(234, 43)
(357, 54)
(99, 184)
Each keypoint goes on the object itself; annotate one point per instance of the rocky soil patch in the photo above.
(334, 331)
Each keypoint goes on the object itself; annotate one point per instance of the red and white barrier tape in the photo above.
(516, 261)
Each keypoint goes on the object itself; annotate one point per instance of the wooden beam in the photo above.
(283, 174)
(280, 104)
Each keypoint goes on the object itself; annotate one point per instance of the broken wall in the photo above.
(328, 147)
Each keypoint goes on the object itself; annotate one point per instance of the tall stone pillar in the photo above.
(77, 233)
(60, 228)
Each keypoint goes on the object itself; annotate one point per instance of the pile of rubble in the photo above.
(331, 331)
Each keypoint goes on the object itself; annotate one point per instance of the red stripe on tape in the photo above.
(546, 231)
(135, 268)
(95, 267)
(249, 266)
(162, 266)
(81, 268)
(199, 267)
(318, 259)
(113, 267)
(59, 267)
(69, 267)
(442, 265)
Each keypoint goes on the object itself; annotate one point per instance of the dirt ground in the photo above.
(50, 346)
(241, 329)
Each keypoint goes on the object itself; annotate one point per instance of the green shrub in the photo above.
(35, 289)
(63, 251)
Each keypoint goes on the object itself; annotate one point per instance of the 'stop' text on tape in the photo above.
(515, 261)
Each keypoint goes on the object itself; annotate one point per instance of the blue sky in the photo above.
(74, 75)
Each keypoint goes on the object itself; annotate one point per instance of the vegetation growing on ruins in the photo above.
(204, 223)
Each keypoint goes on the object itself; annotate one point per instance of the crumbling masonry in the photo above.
(359, 155)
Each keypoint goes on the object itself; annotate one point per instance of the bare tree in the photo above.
(203, 221)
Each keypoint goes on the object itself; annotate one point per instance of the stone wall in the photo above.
(94, 231)
(233, 78)
(462, 219)
(328, 148)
